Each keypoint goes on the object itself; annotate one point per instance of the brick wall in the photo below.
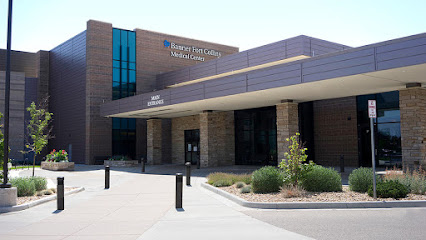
(334, 133)
(98, 89)
(179, 125)
(412, 104)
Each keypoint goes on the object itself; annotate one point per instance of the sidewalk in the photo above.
(137, 206)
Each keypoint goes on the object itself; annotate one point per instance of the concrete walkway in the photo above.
(137, 206)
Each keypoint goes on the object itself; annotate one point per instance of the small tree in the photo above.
(293, 164)
(1, 142)
(38, 128)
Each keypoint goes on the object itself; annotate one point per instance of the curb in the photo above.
(315, 205)
(37, 202)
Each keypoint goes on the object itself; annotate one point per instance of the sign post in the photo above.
(372, 113)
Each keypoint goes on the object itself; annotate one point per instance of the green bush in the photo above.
(361, 179)
(222, 183)
(240, 184)
(246, 189)
(321, 179)
(40, 183)
(389, 189)
(25, 186)
(414, 181)
(267, 179)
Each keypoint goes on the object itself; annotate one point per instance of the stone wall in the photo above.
(412, 105)
(335, 131)
(287, 125)
(217, 139)
(154, 141)
(179, 125)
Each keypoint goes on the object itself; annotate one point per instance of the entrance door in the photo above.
(192, 146)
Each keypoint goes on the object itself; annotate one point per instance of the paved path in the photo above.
(137, 206)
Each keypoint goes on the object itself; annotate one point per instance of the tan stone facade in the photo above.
(412, 104)
(179, 125)
(335, 131)
(154, 141)
(287, 125)
(217, 139)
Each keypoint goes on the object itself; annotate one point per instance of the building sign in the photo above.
(372, 109)
(190, 52)
(155, 100)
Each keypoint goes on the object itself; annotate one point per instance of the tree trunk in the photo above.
(34, 157)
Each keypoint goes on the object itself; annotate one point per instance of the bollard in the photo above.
(198, 164)
(143, 165)
(179, 187)
(60, 193)
(106, 177)
(342, 163)
(188, 173)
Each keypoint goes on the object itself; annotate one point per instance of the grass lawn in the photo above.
(21, 167)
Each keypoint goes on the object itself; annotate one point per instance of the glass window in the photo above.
(132, 76)
(116, 44)
(116, 64)
(124, 76)
(132, 123)
(124, 49)
(116, 75)
(132, 46)
(115, 123)
(132, 65)
(124, 65)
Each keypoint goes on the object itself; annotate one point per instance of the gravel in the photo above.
(345, 196)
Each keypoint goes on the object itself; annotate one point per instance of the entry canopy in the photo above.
(381, 67)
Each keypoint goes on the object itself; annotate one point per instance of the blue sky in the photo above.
(44, 24)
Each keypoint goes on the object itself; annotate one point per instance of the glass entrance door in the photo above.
(192, 146)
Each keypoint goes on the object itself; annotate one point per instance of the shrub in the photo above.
(222, 183)
(389, 189)
(361, 179)
(240, 184)
(267, 179)
(118, 158)
(57, 156)
(414, 181)
(246, 189)
(25, 186)
(321, 179)
(293, 166)
(290, 191)
(40, 183)
(245, 178)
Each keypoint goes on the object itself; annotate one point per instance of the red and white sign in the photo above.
(372, 109)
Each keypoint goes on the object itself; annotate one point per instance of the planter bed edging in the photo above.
(37, 202)
(314, 205)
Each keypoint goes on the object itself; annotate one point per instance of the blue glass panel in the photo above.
(124, 65)
(132, 66)
(124, 123)
(388, 115)
(116, 64)
(124, 76)
(132, 76)
(132, 46)
(132, 123)
(124, 46)
(115, 95)
(115, 123)
(132, 89)
(124, 92)
(116, 44)
(116, 75)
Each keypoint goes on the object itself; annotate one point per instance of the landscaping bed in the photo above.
(27, 199)
(345, 196)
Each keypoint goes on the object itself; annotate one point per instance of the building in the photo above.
(171, 99)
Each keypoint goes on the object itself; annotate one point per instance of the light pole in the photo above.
(6, 183)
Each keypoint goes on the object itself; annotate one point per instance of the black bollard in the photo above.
(60, 193)
(179, 187)
(106, 177)
(143, 165)
(198, 164)
(188, 173)
(342, 163)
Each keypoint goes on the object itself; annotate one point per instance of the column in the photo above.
(412, 105)
(154, 141)
(287, 125)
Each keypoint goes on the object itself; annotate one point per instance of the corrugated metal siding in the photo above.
(68, 95)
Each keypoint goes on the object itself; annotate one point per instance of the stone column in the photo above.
(287, 125)
(154, 141)
(217, 139)
(412, 105)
